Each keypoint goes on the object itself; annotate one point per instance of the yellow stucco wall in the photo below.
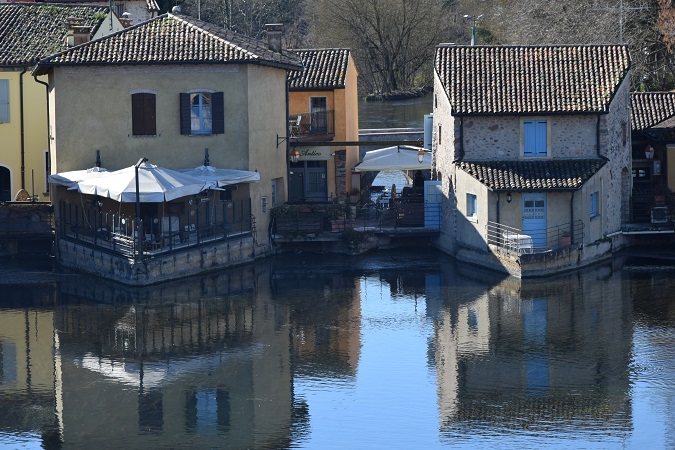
(35, 133)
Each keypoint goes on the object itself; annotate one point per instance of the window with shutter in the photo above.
(202, 113)
(534, 138)
(4, 101)
(144, 114)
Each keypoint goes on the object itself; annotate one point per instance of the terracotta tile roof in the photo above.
(30, 31)
(560, 174)
(649, 109)
(171, 39)
(151, 4)
(323, 69)
(530, 80)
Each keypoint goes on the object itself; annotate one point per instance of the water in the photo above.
(391, 350)
(395, 114)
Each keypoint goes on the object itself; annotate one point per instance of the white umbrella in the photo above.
(71, 178)
(393, 158)
(222, 177)
(155, 184)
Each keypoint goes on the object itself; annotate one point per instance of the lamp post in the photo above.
(138, 195)
(473, 26)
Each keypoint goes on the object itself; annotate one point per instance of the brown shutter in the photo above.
(185, 120)
(143, 114)
(218, 113)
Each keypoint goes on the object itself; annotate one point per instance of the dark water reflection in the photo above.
(307, 351)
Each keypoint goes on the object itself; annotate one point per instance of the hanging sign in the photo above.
(314, 153)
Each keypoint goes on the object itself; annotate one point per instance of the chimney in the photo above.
(274, 34)
(76, 33)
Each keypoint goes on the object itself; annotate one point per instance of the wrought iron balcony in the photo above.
(318, 125)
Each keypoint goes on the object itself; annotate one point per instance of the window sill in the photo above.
(594, 217)
(472, 219)
(145, 136)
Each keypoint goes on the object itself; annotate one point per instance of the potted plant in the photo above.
(565, 239)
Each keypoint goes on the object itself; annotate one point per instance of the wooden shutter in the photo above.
(185, 119)
(143, 114)
(4, 101)
(218, 113)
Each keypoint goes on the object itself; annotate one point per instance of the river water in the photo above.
(395, 350)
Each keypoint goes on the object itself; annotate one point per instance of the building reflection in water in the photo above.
(535, 355)
(212, 361)
(204, 360)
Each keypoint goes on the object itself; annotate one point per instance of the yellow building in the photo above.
(29, 32)
(323, 111)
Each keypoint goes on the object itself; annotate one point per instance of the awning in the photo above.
(222, 177)
(71, 178)
(155, 184)
(401, 157)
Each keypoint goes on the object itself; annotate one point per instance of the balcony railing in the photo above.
(320, 123)
(513, 240)
(152, 235)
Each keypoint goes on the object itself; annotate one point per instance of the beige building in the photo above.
(29, 32)
(532, 150)
(166, 90)
(323, 109)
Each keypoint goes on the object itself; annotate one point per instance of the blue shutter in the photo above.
(529, 138)
(534, 138)
(4, 101)
(540, 134)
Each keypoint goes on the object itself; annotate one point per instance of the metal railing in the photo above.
(312, 124)
(138, 238)
(513, 240)
(322, 218)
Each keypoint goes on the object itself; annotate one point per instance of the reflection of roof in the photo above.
(649, 109)
(29, 32)
(567, 174)
(323, 69)
(170, 39)
(528, 80)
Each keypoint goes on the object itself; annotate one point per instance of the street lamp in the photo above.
(473, 26)
(420, 155)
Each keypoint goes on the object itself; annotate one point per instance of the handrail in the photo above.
(514, 240)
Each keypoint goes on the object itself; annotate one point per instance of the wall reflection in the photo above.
(539, 354)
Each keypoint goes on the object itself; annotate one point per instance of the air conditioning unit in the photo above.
(660, 214)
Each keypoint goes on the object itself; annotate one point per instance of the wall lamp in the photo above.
(420, 155)
(295, 155)
(508, 197)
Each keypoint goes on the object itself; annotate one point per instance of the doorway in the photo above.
(5, 185)
(534, 219)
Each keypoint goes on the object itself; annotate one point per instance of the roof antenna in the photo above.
(98, 158)
(206, 157)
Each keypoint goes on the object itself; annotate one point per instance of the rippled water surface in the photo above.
(401, 349)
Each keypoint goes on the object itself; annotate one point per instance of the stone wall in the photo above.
(162, 267)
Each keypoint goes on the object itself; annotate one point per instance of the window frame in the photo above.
(594, 205)
(471, 206)
(4, 101)
(217, 113)
(144, 113)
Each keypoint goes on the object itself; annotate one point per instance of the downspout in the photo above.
(23, 131)
(572, 216)
(499, 196)
(49, 138)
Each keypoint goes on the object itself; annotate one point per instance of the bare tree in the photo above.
(392, 40)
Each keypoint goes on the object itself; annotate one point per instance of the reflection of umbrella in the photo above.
(393, 158)
(69, 179)
(156, 184)
(222, 177)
